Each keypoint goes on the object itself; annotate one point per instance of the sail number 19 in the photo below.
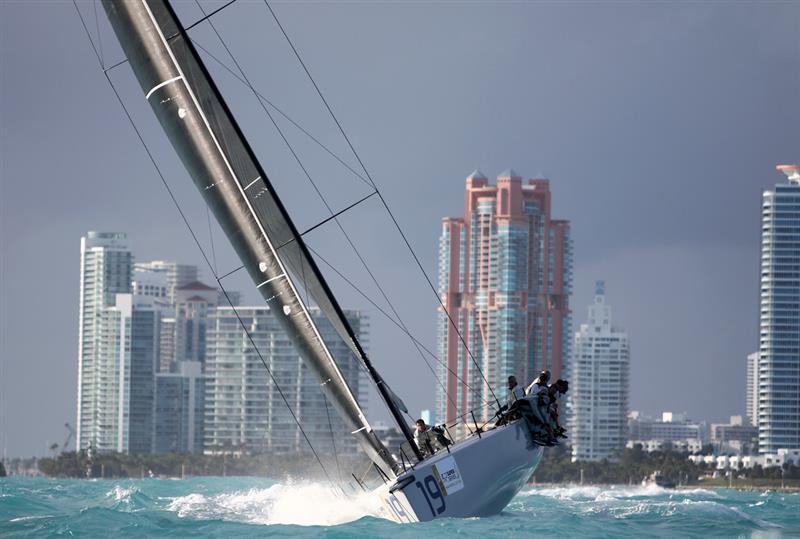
(430, 489)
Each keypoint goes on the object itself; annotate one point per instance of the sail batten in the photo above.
(223, 167)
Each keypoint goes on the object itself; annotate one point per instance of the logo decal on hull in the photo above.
(448, 475)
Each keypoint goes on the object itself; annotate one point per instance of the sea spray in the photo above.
(301, 504)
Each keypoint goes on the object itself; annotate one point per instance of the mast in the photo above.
(224, 168)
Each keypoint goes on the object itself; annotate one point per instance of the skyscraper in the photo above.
(505, 276)
(244, 408)
(105, 271)
(751, 389)
(138, 391)
(779, 331)
(599, 386)
(122, 388)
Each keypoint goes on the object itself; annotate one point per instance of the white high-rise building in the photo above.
(779, 331)
(751, 391)
(125, 364)
(176, 274)
(245, 409)
(106, 267)
(600, 371)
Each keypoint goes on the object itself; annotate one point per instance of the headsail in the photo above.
(225, 170)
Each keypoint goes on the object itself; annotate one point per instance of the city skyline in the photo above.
(162, 367)
(682, 145)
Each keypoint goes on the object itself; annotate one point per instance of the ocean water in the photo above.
(255, 507)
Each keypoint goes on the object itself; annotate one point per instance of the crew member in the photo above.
(422, 438)
(515, 391)
(539, 384)
(561, 388)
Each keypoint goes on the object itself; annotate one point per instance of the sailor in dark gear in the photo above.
(422, 439)
(429, 440)
(560, 388)
(541, 411)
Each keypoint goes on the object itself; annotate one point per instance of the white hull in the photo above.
(478, 477)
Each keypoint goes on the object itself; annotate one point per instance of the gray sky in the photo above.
(659, 124)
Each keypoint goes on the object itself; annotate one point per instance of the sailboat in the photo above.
(476, 476)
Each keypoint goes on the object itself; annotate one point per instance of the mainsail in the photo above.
(225, 170)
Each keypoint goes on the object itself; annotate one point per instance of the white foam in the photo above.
(697, 492)
(302, 505)
(121, 494)
(32, 517)
(578, 492)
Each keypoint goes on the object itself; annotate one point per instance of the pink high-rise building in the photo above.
(505, 276)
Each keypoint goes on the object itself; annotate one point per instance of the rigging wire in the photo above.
(333, 438)
(356, 173)
(203, 253)
(334, 216)
(170, 38)
(396, 323)
(285, 140)
(88, 34)
(99, 37)
(211, 238)
(283, 114)
(205, 17)
(380, 195)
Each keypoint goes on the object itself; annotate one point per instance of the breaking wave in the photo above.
(302, 505)
(581, 492)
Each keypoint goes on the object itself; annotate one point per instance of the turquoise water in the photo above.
(253, 507)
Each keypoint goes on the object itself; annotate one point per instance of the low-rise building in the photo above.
(734, 437)
(689, 445)
(737, 462)
(671, 427)
(673, 430)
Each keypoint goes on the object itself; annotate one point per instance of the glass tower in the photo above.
(779, 331)
(505, 276)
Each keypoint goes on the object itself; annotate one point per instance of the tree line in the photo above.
(632, 465)
(627, 466)
(77, 464)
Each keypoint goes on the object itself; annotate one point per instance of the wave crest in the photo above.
(301, 505)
